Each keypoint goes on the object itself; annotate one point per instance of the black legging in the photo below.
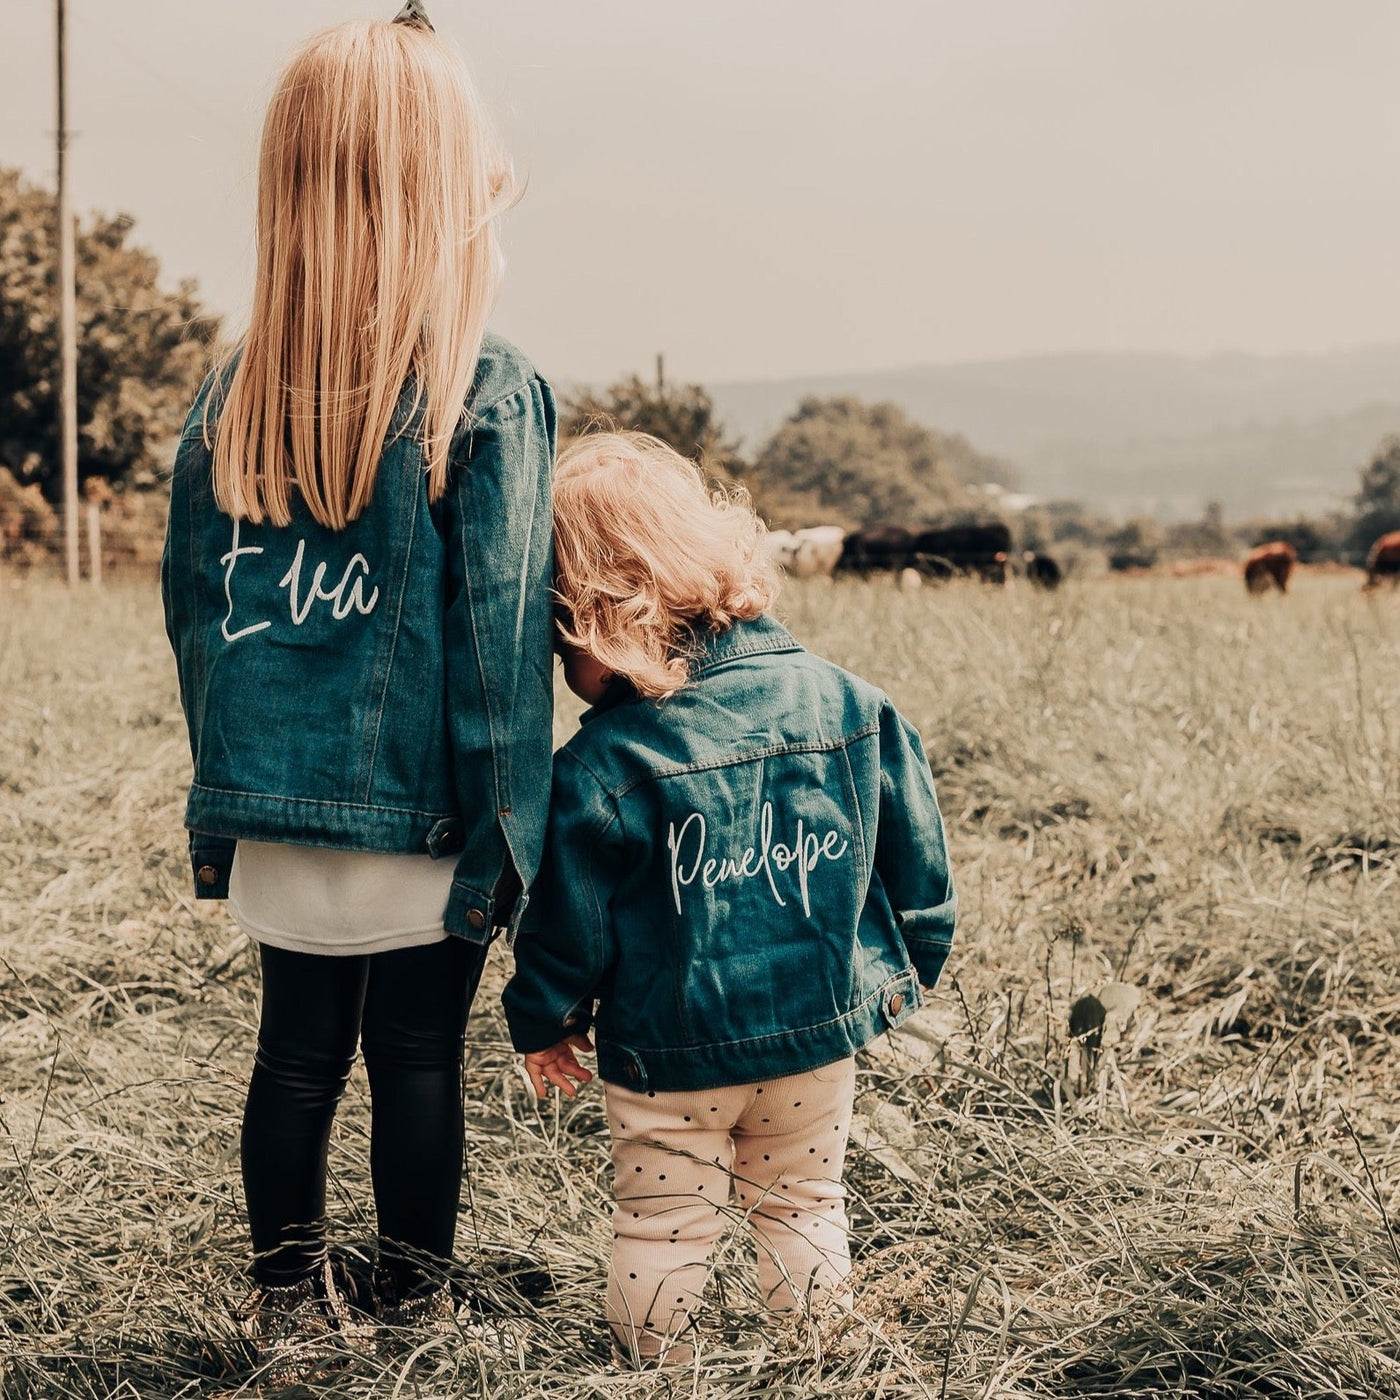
(408, 1009)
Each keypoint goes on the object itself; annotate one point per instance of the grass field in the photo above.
(1154, 784)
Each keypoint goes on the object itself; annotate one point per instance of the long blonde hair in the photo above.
(646, 555)
(379, 186)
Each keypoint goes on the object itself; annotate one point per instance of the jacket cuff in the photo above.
(470, 913)
(928, 935)
(211, 863)
(933, 925)
(530, 1034)
(928, 960)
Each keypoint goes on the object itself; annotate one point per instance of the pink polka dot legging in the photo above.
(780, 1145)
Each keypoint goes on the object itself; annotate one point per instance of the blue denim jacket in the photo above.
(389, 686)
(750, 879)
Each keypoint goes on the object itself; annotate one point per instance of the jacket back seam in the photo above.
(629, 785)
(383, 688)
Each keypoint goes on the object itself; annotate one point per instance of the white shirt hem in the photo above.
(340, 947)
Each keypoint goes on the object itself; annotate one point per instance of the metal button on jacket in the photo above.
(896, 1003)
(208, 875)
(476, 919)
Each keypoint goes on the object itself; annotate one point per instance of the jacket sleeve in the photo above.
(176, 616)
(211, 855)
(178, 582)
(498, 649)
(911, 853)
(566, 947)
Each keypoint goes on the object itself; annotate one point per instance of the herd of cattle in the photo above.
(984, 552)
(955, 551)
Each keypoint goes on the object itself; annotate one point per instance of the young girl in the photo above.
(356, 582)
(745, 872)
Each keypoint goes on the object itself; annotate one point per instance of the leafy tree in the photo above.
(1377, 496)
(974, 468)
(1206, 538)
(1323, 537)
(1050, 525)
(858, 463)
(1136, 544)
(141, 351)
(683, 415)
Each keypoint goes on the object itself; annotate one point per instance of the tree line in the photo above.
(834, 461)
(842, 461)
(837, 460)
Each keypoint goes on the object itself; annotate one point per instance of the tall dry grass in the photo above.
(1158, 785)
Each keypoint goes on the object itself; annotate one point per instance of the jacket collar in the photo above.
(755, 637)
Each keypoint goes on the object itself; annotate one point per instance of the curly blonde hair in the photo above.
(647, 555)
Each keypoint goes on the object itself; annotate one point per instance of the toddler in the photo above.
(744, 881)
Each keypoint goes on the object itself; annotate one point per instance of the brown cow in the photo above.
(1269, 566)
(1383, 562)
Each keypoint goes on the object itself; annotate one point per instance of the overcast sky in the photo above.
(764, 188)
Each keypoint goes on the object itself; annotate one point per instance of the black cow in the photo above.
(979, 551)
(876, 548)
(1043, 570)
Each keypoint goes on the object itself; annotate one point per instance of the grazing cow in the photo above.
(1043, 570)
(816, 551)
(977, 550)
(1269, 566)
(877, 547)
(1383, 562)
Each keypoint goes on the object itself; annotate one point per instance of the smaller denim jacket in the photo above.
(388, 686)
(749, 879)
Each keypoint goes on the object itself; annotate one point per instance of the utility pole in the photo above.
(660, 373)
(67, 319)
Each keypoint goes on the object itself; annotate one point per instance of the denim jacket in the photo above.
(389, 686)
(750, 879)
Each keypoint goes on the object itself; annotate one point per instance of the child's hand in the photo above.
(558, 1065)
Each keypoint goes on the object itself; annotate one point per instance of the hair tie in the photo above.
(413, 13)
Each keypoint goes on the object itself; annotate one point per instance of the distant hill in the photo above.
(1134, 432)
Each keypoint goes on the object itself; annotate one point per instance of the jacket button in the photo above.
(476, 919)
(207, 875)
(896, 1003)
